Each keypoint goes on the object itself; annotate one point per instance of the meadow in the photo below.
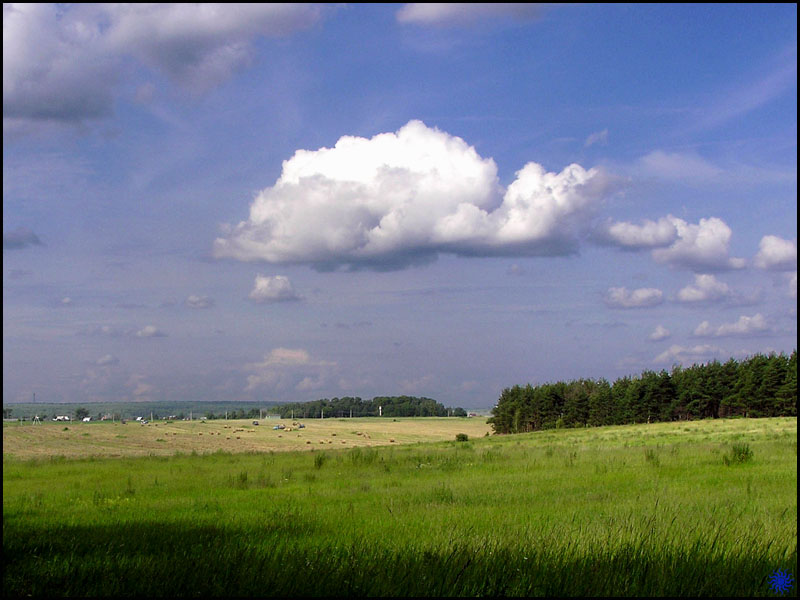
(685, 509)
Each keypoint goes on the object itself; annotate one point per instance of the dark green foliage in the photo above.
(740, 453)
(387, 406)
(462, 437)
(760, 386)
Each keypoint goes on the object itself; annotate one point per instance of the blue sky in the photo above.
(290, 202)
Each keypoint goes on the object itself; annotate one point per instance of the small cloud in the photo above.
(199, 302)
(706, 288)
(598, 137)
(66, 301)
(21, 237)
(678, 166)
(620, 297)
(745, 326)
(702, 247)
(776, 254)
(460, 14)
(659, 333)
(273, 289)
(102, 330)
(107, 360)
(650, 234)
(288, 368)
(515, 270)
(140, 389)
(685, 355)
(149, 331)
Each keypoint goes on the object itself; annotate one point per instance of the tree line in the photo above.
(759, 386)
(387, 406)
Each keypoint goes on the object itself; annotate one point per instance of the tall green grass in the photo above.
(625, 511)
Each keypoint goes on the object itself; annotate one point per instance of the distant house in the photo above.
(61, 418)
(472, 415)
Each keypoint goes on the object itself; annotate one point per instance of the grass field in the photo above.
(685, 509)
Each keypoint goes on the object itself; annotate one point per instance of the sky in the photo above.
(283, 203)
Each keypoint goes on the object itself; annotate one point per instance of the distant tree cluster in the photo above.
(387, 406)
(252, 413)
(760, 386)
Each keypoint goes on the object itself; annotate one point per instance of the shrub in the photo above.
(319, 460)
(462, 437)
(739, 453)
(651, 456)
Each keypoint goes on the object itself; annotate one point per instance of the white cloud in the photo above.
(745, 326)
(289, 368)
(678, 166)
(63, 62)
(149, 331)
(793, 285)
(400, 198)
(650, 234)
(686, 355)
(273, 289)
(194, 301)
(706, 288)
(620, 297)
(140, 389)
(434, 13)
(108, 359)
(702, 247)
(659, 333)
(598, 137)
(102, 330)
(66, 301)
(776, 254)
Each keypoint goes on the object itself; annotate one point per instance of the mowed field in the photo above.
(163, 438)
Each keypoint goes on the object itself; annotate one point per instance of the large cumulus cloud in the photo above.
(401, 198)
